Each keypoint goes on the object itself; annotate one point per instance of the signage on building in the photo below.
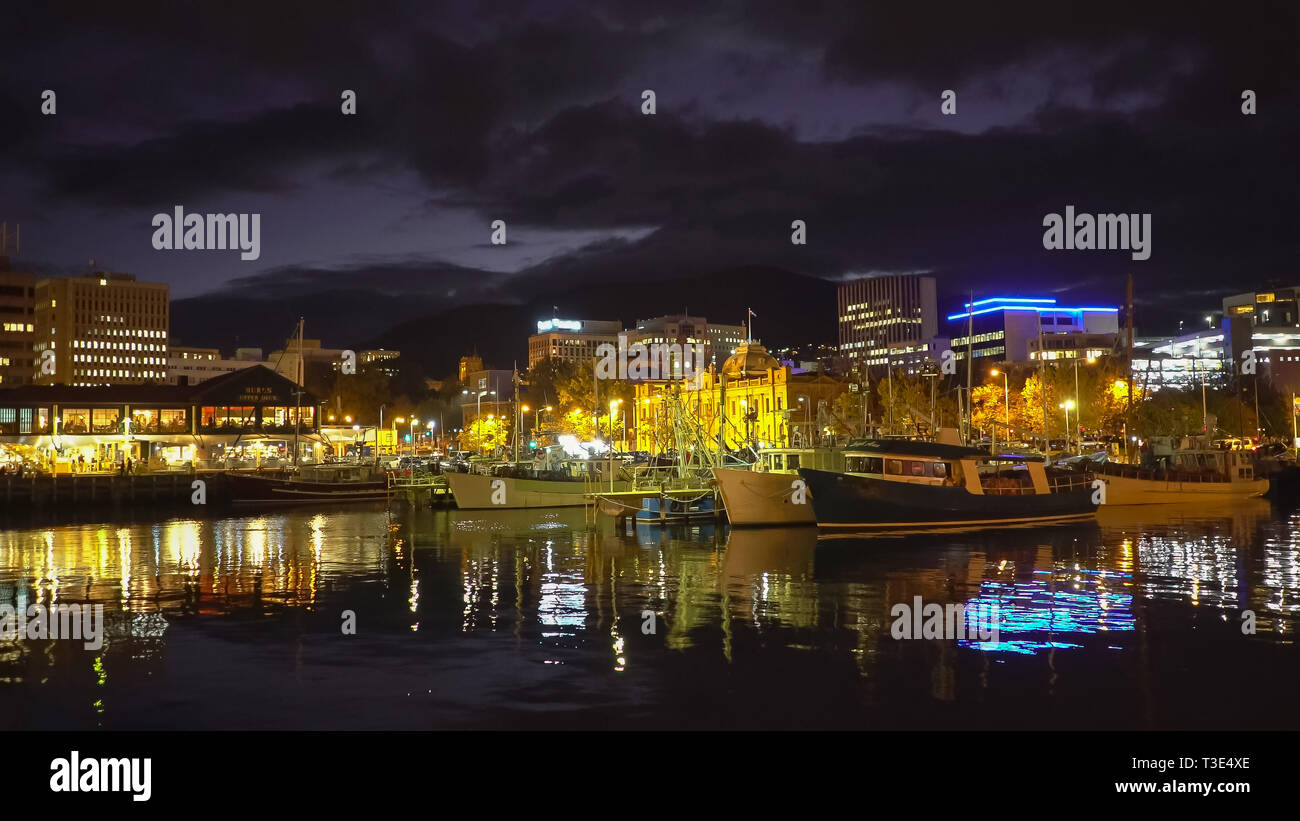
(546, 325)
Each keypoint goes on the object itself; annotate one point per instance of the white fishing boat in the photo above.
(1193, 472)
(770, 492)
(521, 485)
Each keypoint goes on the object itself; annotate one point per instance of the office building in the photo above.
(190, 366)
(1000, 329)
(101, 329)
(570, 340)
(17, 325)
(878, 311)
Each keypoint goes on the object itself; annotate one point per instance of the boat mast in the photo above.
(297, 407)
(519, 414)
(970, 362)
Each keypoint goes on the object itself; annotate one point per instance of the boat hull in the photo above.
(843, 501)
(473, 491)
(248, 488)
(758, 499)
(1127, 490)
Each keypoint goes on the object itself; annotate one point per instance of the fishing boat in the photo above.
(310, 484)
(899, 484)
(769, 492)
(1192, 472)
(523, 485)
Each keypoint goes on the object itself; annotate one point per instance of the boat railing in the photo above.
(1070, 482)
(1162, 474)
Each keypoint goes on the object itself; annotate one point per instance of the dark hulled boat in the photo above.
(905, 484)
(313, 483)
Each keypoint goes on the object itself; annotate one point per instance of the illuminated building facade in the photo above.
(751, 400)
(244, 414)
(103, 329)
(878, 311)
(1182, 362)
(570, 340)
(1000, 329)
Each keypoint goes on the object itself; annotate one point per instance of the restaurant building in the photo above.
(248, 418)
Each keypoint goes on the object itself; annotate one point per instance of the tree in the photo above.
(484, 435)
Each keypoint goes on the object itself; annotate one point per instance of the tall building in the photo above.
(102, 329)
(1003, 328)
(878, 311)
(570, 340)
(17, 325)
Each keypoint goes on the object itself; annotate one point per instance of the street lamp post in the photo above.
(1067, 405)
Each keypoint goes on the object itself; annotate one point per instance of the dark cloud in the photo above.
(529, 112)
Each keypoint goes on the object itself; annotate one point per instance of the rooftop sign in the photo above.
(546, 325)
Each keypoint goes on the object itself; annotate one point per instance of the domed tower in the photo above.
(750, 359)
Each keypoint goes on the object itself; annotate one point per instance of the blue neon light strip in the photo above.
(1006, 299)
(1054, 310)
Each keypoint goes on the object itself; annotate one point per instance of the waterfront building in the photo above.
(190, 366)
(877, 311)
(752, 399)
(1004, 326)
(570, 340)
(244, 418)
(17, 325)
(101, 329)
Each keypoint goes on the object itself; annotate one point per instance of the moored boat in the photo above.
(895, 484)
(312, 483)
(769, 492)
(1194, 472)
(520, 486)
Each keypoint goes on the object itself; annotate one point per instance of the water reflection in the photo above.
(531, 618)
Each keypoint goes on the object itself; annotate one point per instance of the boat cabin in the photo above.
(789, 460)
(977, 471)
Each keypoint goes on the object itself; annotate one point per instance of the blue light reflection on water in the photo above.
(1045, 612)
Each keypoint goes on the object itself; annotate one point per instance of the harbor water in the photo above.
(367, 618)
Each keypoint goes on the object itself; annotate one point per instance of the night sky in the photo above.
(530, 112)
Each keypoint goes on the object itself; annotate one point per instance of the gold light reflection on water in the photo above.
(257, 543)
(124, 562)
